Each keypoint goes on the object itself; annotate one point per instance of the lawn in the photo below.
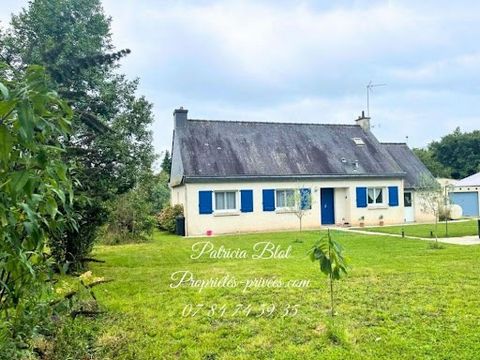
(456, 228)
(401, 300)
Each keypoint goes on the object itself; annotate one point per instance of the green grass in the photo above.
(457, 228)
(401, 300)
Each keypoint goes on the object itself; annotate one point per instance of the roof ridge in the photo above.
(270, 122)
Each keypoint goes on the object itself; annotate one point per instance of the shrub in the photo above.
(36, 196)
(130, 219)
(444, 213)
(166, 218)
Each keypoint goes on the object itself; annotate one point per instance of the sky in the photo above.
(304, 61)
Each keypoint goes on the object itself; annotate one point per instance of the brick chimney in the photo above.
(180, 118)
(363, 121)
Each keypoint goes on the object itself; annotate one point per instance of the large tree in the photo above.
(110, 146)
(456, 155)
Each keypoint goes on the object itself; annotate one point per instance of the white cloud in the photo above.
(451, 68)
(274, 43)
(305, 61)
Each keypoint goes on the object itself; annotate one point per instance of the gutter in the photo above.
(207, 179)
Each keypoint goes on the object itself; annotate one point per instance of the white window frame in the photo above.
(285, 198)
(375, 194)
(235, 210)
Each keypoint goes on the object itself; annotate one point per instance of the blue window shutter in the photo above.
(268, 200)
(361, 197)
(393, 196)
(205, 202)
(305, 199)
(246, 200)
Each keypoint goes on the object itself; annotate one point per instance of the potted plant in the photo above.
(381, 220)
(362, 221)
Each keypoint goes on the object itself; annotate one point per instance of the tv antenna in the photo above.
(370, 87)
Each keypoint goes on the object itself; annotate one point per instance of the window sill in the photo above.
(379, 206)
(226, 213)
(285, 211)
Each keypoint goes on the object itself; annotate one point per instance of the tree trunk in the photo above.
(331, 296)
(331, 274)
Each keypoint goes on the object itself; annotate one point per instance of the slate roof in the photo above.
(210, 149)
(409, 162)
(472, 180)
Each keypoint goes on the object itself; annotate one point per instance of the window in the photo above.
(358, 141)
(375, 196)
(225, 200)
(285, 198)
(407, 199)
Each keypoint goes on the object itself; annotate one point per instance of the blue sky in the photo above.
(304, 61)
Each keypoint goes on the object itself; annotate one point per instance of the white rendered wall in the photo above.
(345, 206)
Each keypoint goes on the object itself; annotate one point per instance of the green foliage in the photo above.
(130, 219)
(455, 156)
(437, 169)
(329, 254)
(156, 191)
(167, 163)
(111, 139)
(36, 197)
(166, 218)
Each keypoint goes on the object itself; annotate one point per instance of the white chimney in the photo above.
(363, 121)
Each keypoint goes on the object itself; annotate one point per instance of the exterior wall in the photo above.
(420, 215)
(345, 206)
(468, 189)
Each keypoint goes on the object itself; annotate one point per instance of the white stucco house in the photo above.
(235, 176)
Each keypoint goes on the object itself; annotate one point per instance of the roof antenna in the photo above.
(370, 87)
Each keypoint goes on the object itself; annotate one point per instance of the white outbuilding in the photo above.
(466, 194)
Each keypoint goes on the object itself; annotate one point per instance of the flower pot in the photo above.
(362, 224)
(382, 223)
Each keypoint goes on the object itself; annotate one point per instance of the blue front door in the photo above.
(327, 208)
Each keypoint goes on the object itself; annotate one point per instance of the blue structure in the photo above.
(468, 201)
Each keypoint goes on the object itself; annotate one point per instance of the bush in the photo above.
(166, 218)
(36, 196)
(130, 219)
(444, 213)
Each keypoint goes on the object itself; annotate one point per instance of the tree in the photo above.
(460, 151)
(36, 198)
(167, 163)
(110, 144)
(302, 200)
(329, 254)
(130, 219)
(428, 158)
(431, 198)
(455, 156)
(159, 192)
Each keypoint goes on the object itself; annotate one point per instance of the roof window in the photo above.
(358, 141)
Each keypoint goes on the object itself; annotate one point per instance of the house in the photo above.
(466, 193)
(235, 176)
